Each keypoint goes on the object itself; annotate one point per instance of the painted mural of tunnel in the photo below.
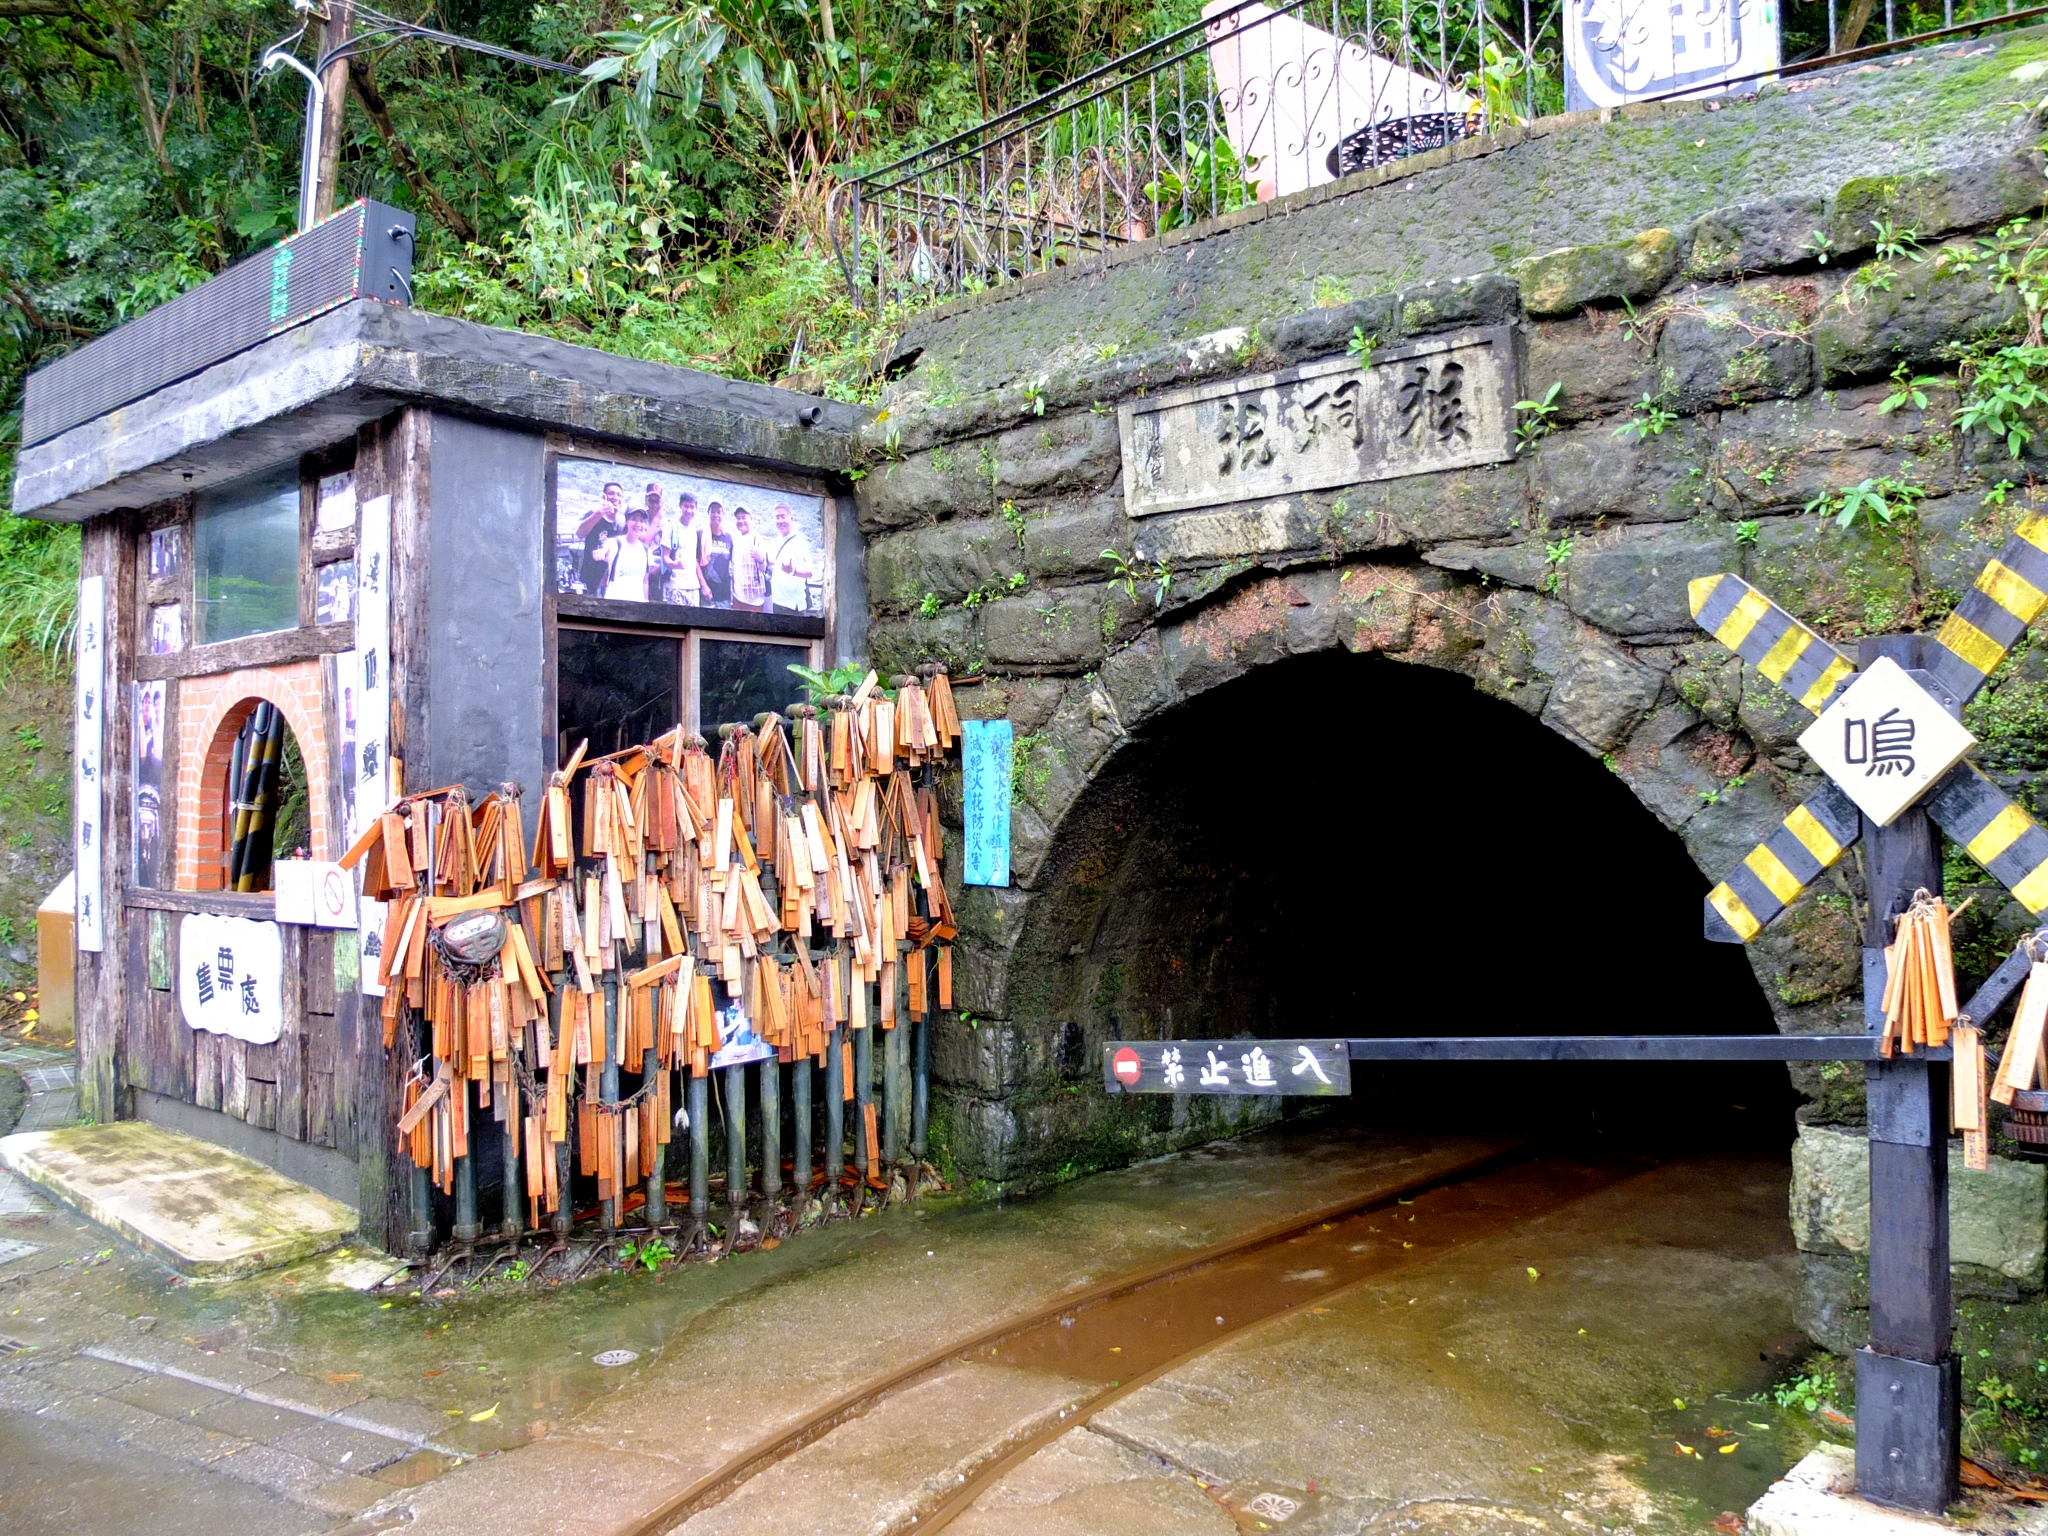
(1346, 845)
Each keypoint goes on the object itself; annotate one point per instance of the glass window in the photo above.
(615, 691)
(245, 546)
(738, 679)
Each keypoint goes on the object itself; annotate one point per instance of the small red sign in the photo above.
(1126, 1066)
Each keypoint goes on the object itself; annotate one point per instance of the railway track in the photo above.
(1115, 1337)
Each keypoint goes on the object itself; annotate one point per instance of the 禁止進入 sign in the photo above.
(1885, 740)
(1260, 1068)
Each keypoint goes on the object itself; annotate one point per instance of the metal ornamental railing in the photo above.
(1256, 101)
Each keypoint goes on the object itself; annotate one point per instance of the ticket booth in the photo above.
(338, 550)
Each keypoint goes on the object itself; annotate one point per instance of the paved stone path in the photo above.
(127, 1398)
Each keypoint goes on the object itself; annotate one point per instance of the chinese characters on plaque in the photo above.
(230, 976)
(1262, 1068)
(1445, 403)
(986, 767)
(364, 680)
(87, 732)
(1886, 740)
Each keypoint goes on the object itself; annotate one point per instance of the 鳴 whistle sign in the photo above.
(1887, 738)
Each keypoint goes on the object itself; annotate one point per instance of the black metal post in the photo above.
(608, 1093)
(800, 1132)
(863, 1096)
(835, 1107)
(700, 1149)
(736, 1139)
(657, 1188)
(1906, 1379)
(771, 1130)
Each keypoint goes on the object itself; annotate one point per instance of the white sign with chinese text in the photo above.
(1886, 740)
(1259, 1068)
(314, 893)
(1445, 403)
(1618, 51)
(87, 731)
(367, 675)
(231, 976)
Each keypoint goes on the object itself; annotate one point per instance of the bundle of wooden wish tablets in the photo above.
(672, 912)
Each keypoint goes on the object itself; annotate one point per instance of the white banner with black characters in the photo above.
(87, 738)
(367, 671)
(231, 976)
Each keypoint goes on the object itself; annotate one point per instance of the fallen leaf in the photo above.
(771, 1242)
(1731, 1447)
(336, 1378)
(1754, 1425)
(1728, 1522)
(1678, 1402)
(489, 1413)
(430, 1375)
(1407, 1245)
(1535, 1273)
(1680, 1448)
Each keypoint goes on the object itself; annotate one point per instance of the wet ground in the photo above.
(1363, 1373)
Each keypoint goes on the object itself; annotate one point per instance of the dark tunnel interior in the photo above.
(1343, 845)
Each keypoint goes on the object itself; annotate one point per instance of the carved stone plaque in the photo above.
(1443, 403)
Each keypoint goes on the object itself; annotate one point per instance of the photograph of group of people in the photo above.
(637, 535)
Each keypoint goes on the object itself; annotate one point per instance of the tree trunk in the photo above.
(334, 83)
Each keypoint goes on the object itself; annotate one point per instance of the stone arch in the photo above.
(211, 711)
(1031, 962)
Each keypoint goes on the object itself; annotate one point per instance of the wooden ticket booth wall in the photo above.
(502, 633)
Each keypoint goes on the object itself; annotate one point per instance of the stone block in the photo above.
(1858, 579)
(1062, 544)
(1076, 451)
(1221, 533)
(1732, 347)
(1601, 696)
(942, 482)
(948, 560)
(1594, 471)
(1869, 330)
(1056, 631)
(1956, 535)
(1560, 281)
(1832, 1304)
(1136, 680)
(1778, 456)
(898, 643)
(992, 1058)
(1632, 581)
(1518, 565)
(1488, 299)
(1601, 369)
(1490, 502)
(1754, 237)
(1310, 334)
(1998, 1217)
(1934, 203)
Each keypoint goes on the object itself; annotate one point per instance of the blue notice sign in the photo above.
(985, 767)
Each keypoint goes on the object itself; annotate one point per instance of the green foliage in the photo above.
(649, 1255)
(1648, 417)
(1361, 346)
(1747, 531)
(843, 678)
(38, 586)
(1879, 500)
(1538, 417)
(1127, 571)
(1214, 181)
(1555, 554)
(1807, 1391)
(993, 588)
(1908, 388)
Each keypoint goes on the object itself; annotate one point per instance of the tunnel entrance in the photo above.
(1345, 845)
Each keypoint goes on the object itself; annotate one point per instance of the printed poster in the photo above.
(986, 770)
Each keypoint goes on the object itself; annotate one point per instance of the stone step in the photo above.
(208, 1212)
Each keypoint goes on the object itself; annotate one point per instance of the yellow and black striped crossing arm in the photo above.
(1995, 832)
(1988, 622)
(1782, 865)
(1770, 639)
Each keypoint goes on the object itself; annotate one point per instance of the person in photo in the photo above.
(752, 563)
(795, 565)
(717, 562)
(630, 559)
(683, 551)
(601, 524)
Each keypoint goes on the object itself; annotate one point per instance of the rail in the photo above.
(1256, 101)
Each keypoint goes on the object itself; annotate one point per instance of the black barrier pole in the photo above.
(1906, 1379)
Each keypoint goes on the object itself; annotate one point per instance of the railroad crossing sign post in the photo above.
(1889, 736)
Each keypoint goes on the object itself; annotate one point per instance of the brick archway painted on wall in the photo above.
(211, 710)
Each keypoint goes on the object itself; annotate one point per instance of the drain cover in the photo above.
(12, 1248)
(616, 1356)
